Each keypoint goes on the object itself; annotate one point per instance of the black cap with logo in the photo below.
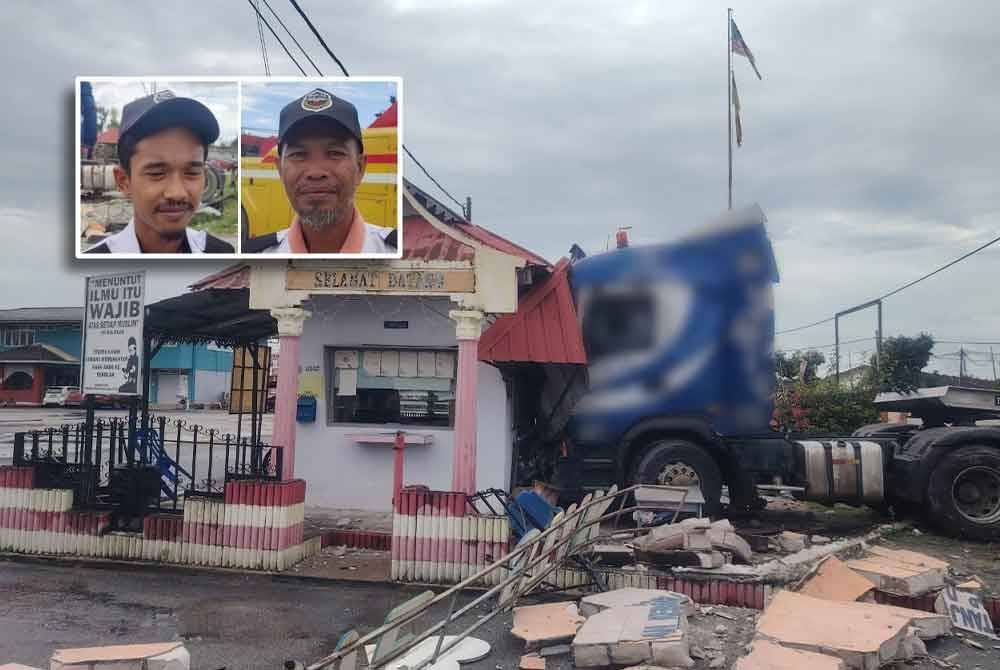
(161, 110)
(319, 103)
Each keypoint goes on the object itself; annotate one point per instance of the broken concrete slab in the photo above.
(551, 623)
(468, 650)
(894, 576)
(598, 602)
(769, 656)
(156, 656)
(835, 581)
(907, 557)
(681, 558)
(613, 554)
(723, 537)
(633, 635)
(688, 534)
(863, 635)
(17, 666)
(532, 662)
(791, 542)
(555, 650)
(929, 625)
(970, 585)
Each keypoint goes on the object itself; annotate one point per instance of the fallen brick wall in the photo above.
(357, 538)
(435, 541)
(256, 525)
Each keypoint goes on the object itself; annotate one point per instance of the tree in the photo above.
(900, 362)
(113, 120)
(102, 116)
(788, 367)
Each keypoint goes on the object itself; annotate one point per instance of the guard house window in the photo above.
(18, 337)
(618, 323)
(394, 386)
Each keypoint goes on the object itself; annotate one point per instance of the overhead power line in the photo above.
(289, 33)
(260, 17)
(263, 46)
(901, 288)
(343, 69)
(319, 37)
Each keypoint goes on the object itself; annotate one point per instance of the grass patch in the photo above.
(220, 226)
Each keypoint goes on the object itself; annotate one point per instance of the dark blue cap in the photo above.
(319, 103)
(161, 110)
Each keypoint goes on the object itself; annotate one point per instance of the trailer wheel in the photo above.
(681, 463)
(964, 493)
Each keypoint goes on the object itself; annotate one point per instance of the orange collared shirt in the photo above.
(353, 244)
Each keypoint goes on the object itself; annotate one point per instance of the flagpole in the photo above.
(729, 90)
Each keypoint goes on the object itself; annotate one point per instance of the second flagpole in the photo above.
(729, 90)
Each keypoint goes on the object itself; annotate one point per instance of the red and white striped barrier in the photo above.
(435, 540)
(256, 525)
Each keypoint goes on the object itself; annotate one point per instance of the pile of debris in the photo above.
(624, 627)
(834, 620)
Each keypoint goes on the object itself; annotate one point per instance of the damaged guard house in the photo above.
(449, 345)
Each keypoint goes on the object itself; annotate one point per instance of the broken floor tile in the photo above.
(598, 602)
(769, 656)
(835, 581)
(863, 635)
(532, 662)
(634, 635)
(540, 625)
(157, 656)
(893, 576)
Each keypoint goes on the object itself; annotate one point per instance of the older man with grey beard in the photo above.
(321, 163)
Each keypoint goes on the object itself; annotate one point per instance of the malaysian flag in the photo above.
(739, 46)
(736, 108)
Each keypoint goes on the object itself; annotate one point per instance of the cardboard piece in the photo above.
(965, 610)
(769, 656)
(835, 581)
(654, 633)
(864, 635)
(598, 602)
(551, 623)
(156, 656)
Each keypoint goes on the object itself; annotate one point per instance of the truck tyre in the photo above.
(964, 493)
(680, 463)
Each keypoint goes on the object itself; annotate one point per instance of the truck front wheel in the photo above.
(964, 493)
(680, 463)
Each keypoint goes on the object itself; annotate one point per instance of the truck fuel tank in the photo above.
(850, 471)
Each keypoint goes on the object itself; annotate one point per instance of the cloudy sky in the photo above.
(871, 143)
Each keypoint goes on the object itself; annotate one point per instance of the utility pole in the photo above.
(729, 89)
(961, 366)
(993, 359)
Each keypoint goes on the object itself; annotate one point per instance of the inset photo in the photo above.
(157, 167)
(319, 167)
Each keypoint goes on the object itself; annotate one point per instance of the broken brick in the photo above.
(532, 662)
(540, 625)
(835, 581)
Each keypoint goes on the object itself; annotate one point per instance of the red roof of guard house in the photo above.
(109, 136)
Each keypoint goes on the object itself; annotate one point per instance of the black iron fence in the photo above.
(117, 462)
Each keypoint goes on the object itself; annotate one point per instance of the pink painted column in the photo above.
(290, 320)
(468, 327)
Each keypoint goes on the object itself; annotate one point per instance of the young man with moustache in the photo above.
(162, 149)
(321, 163)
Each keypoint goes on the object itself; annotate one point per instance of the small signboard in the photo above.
(966, 611)
(112, 351)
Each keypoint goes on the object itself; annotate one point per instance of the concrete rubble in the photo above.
(769, 656)
(599, 602)
(532, 662)
(901, 572)
(157, 656)
(696, 542)
(542, 625)
(632, 635)
(863, 635)
(833, 580)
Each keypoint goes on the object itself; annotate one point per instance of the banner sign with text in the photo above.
(111, 360)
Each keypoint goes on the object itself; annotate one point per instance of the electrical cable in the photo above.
(289, 32)
(901, 288)
(263, 46)
(260, 17)
(319, 37)
(343, 69)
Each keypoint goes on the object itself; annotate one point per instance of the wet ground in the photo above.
(259, 621)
